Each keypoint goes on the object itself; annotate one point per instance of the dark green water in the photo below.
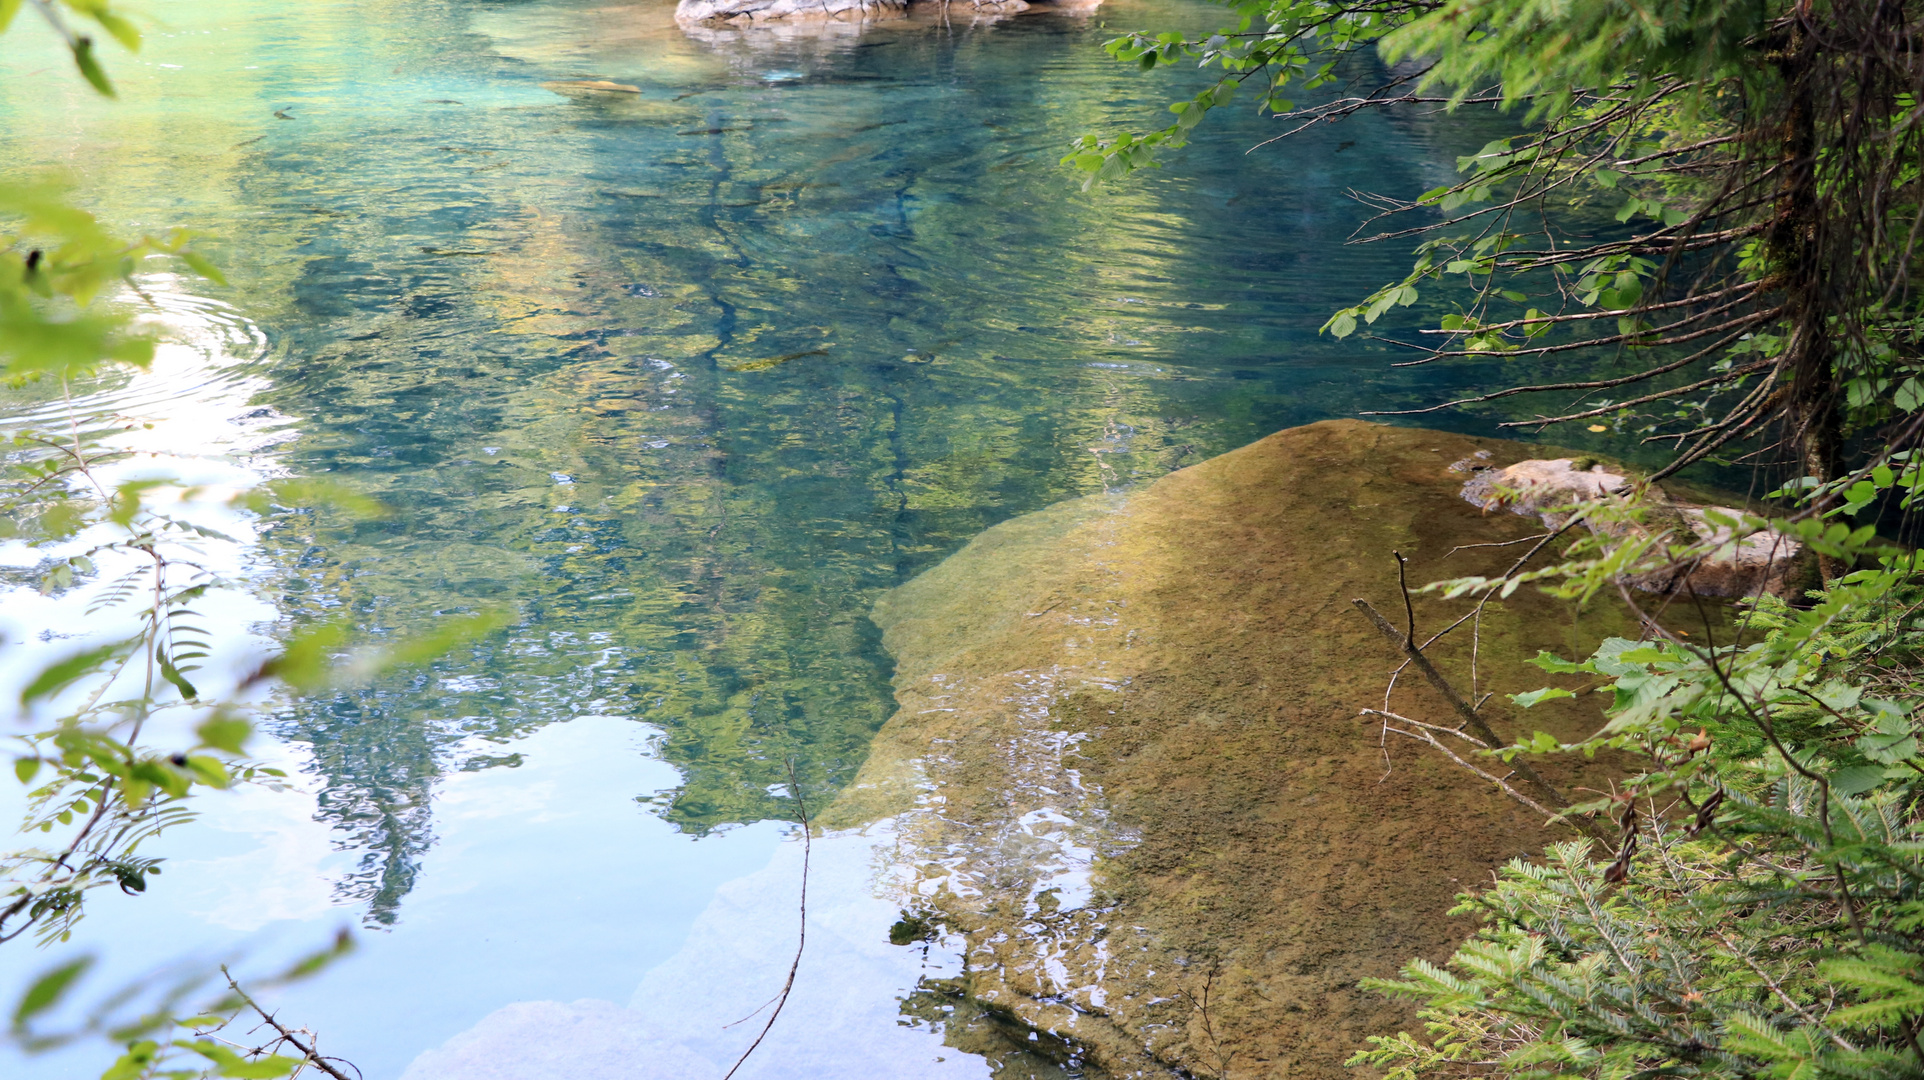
(684, 378)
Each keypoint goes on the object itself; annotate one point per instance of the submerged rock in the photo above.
(1127, 772)
(1550, 489)
(699, 11)
(588, 87)
(741, 13)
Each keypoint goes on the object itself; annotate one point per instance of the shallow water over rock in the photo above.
(1127, 765)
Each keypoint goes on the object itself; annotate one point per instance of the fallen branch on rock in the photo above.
(1407, 645)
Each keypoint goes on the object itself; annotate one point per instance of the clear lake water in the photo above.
(682, 379)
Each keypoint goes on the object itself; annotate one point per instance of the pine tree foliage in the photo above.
(1763, 911)
(1753, 299)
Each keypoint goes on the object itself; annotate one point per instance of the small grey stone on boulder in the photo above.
(1552, 488)
(1536, 486)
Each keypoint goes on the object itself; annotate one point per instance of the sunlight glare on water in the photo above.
(188, 419)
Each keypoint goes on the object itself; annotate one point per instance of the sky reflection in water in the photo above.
(684, 378)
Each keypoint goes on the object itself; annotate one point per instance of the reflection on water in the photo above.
(687, 376)
(190, 420)
(681, 1023)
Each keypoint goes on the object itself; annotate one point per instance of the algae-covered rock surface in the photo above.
(1127, 766)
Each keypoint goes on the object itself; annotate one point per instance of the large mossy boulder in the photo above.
(1128, 769)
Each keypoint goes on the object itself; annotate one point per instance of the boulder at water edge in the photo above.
(1128, 772)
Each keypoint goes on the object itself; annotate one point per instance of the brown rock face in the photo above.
(1129, 772)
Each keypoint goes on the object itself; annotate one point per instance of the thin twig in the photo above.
(801, 941)
(1424, 736)
(1496, 544)
(1403, 583)
(307, 1050)
(1462, 707)
(1401, 719)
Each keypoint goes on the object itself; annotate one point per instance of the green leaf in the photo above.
(453, 633)
(264, 1069)
(172, 674)
(83, 58)
(1643, 655)
(304, 664)
(1888, 748)
(1856, 780)
(225, 733)
(320, 959)
(25, 768)
(1557, 665)
(46, 991)
(230, 1064)
(306, 493)
(122, 30)
(135, 1064)
(1535, 697)
(57, 676)
(1840, 695)
(1609, 659)
(200, 265)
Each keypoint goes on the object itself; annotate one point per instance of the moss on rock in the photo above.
(1128, 768)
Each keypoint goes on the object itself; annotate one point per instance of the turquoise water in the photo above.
(680, 378)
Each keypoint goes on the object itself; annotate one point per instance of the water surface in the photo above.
(683, 379)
